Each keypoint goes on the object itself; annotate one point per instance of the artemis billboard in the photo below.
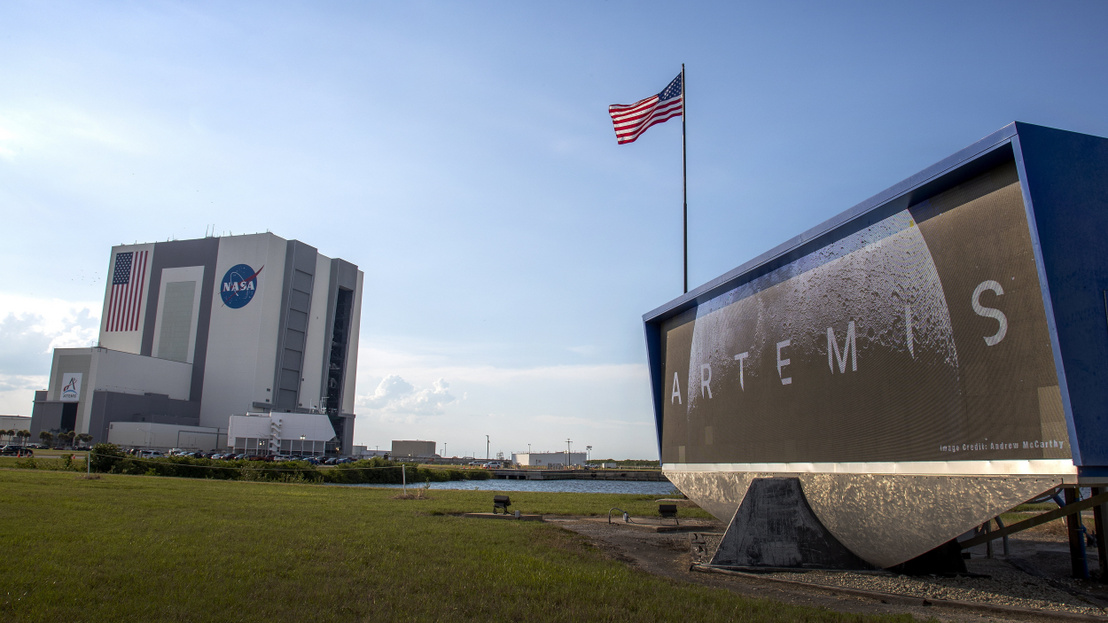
(945, 335)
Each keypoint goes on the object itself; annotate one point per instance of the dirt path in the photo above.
(1032, 584)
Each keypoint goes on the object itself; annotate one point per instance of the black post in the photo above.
(1079, 567)
(1099, 517)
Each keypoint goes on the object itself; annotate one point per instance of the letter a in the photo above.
(676, 390)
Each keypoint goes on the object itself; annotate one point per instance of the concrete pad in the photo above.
(502, 516)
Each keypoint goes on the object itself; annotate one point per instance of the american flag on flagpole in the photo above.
(125, 298)
(631, 120)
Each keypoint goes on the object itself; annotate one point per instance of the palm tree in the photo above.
(23, 435)
(46, 437)
(84, 438)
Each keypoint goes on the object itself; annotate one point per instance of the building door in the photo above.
(69, 416)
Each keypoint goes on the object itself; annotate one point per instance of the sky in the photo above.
(461, 154)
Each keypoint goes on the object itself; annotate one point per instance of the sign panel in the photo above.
(71, 386)
(920, 337)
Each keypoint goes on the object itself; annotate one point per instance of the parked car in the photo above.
(16, 451)
(492, 465)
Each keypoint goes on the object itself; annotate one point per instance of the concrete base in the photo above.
(775, 528)
(503, 516)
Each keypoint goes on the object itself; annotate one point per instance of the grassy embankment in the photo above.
(131, 548)
(106, 458)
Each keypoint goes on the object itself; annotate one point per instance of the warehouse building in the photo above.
(195, 331)
(550, 459)
(412, 448)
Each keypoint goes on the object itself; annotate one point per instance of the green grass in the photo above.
(132, 548)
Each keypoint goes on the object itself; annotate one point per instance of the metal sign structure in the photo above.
(921, 362)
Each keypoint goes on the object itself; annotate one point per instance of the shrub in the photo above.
(105, 457)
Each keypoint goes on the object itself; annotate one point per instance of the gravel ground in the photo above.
(1032, 583)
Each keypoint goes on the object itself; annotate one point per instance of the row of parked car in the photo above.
(10, 450)
(234, 456)
(487, 465)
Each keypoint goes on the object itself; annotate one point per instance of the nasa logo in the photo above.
(239, 285)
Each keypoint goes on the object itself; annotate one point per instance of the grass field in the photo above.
(134, 548)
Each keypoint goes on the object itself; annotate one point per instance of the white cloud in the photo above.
(394, 395)
(51, 127)
(606, 406)
(32, 328)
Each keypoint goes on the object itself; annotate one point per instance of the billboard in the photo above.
(71, 387)
(919, 335)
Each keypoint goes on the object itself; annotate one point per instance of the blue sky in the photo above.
(460, 153)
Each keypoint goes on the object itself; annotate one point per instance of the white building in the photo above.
(549, 459)
(15, 422)
(165, 436)
(195, 331)
(280, 433)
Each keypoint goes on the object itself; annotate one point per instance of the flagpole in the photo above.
(684, 187)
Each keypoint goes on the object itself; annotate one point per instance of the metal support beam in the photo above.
(1064, 511)
(1100, 515)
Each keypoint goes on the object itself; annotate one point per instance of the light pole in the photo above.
(486, 447)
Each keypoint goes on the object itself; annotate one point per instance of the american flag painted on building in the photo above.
(125, 298)
(631, 120)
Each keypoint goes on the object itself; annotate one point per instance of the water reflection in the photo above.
(553, 486)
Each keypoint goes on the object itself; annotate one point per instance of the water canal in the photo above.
(550, 486)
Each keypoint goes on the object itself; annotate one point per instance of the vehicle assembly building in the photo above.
(195, 331)
(905, 372)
